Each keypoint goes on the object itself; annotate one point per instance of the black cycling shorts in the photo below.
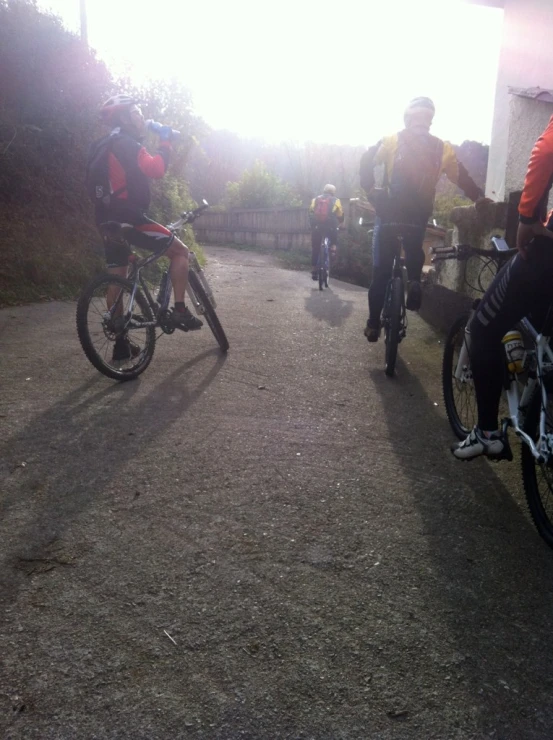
(146, 234)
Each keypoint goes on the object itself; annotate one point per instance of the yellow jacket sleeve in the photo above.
(386, 154)
(456, 172)
(338, 210)
(450, 165)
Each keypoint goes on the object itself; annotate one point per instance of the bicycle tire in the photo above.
(461, 414)
(534, 472)
(209, 312)
(323, 276)
(86, 334)
(393, 325)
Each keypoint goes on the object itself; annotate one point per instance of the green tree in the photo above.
(447, 198)
(258, 188)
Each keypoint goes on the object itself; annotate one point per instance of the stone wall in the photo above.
(451, 285)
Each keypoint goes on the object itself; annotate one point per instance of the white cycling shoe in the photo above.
(495, 447)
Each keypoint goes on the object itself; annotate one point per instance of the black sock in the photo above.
(179, 305)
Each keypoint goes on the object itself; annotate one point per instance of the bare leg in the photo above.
(178, 254)
(113, 290)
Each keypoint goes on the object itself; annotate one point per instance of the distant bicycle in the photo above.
(112, 308)
(323, 263)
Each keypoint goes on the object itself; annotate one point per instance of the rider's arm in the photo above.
(154, 166)
(367, 165)
(457, 173)
(338, 211)
(537, 183)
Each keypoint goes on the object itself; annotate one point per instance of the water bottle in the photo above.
(514, 349)
(155, 127)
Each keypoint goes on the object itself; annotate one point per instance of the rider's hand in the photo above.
(481, 203)
(526, 232)
(165, 133)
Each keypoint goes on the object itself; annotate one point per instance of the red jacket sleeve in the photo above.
(156, 166)
(538, 180)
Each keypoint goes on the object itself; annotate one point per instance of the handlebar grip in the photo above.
(443, 257)
(444, 250)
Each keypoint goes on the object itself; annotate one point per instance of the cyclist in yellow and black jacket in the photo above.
(413, 162)
(325, 213)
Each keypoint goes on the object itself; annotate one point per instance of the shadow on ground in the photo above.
(488, 566)
(327, 306)
(74, 450)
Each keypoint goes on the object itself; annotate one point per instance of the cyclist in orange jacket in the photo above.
(523, 287)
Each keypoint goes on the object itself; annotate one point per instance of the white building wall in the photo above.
(525, 60)
(527, 120)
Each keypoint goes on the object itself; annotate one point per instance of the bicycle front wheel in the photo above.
(457, 383)
(206, 308)
(393, 307)
(538, 478)
(111, 328)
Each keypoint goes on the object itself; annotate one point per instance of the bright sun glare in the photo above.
(308, 70)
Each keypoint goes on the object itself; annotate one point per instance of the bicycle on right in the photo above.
(527, 382)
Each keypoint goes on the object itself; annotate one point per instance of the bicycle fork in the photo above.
(195, 266)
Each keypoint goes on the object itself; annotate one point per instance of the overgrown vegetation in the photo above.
(51, 86)
(259, 188)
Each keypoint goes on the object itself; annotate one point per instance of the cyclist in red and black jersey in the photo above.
(130, 167)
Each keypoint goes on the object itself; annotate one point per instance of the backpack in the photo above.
(416, 171)
(322, 212)
(97, 171)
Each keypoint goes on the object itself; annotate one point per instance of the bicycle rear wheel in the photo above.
(459, 393)
(323, 272)
(538, 478)
(206, 308)
(392, 322)
(115, 342)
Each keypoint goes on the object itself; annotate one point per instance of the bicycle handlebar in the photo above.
(465, 251)
(188, 217)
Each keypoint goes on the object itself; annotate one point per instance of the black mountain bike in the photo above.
(394, 316)
(323, 263)
(114, 310)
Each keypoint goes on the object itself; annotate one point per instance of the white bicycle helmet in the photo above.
(419, 109)
(329, 189)
(111, 110)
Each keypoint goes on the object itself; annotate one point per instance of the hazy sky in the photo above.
(307, 70)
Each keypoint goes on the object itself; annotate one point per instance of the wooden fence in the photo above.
(277, 228)
(283, 228)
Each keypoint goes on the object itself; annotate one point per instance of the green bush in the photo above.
(51, 88)
(259, 188)
(354, 257)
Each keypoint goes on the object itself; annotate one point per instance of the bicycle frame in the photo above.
(517, 403)
(397, 272)
(164, 295)
(324, 255)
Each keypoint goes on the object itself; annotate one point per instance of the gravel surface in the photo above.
(275, 544)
